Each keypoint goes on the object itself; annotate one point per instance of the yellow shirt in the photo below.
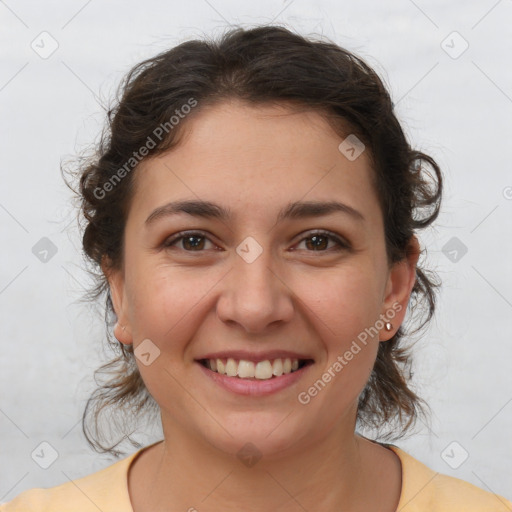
(423, 490)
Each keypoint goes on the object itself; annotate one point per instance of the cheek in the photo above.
(166, 306)
(164, 302)
(342, 303)
(342, 309)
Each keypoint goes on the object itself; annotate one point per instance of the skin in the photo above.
(255, 161)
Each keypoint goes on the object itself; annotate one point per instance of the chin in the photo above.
(253, 434)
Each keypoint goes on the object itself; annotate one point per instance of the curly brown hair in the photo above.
(267, 64)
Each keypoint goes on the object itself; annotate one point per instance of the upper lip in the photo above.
(255, 357)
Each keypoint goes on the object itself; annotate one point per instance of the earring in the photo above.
(388, 326)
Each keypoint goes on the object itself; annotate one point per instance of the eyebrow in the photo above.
(296, 210)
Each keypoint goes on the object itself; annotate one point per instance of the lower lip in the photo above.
(255, 387)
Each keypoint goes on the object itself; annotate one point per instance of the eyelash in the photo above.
(342, 244)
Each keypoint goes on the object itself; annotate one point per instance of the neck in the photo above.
(185, 473)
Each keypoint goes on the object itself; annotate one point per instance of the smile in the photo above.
(262, 370)
(254, 378)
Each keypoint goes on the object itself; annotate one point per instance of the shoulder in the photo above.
(105, 490)
(426, 490)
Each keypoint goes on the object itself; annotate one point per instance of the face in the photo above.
(256, 240)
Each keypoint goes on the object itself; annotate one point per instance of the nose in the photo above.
(254, 296)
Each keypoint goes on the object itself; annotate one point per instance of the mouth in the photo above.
(265, 370)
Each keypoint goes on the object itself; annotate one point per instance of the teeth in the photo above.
(231, 368)
(246, 369)
(277, 367)
(263, 370)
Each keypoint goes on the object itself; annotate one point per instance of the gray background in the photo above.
(456, 106)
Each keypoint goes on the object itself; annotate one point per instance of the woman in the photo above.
(253, 208)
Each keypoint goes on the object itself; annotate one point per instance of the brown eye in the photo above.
(189, 242)
(323, 242)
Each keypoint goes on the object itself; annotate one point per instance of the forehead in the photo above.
(257, 158)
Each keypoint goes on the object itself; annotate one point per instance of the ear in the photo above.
(401, 280)
(115, 277)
